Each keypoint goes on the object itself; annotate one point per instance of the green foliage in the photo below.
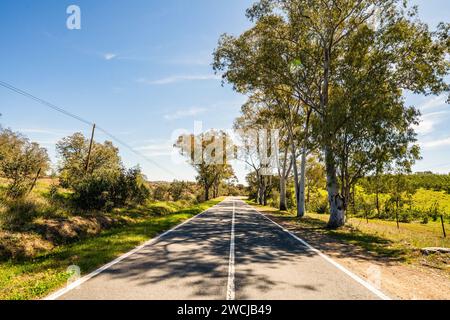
(208, 153)
(20, 162)
(104, 192)
(430, 181)
(73, 152)
(104, 183)
(18, 213)
(350, 69)
(317, 201)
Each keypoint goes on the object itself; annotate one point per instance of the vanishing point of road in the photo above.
(230, 251)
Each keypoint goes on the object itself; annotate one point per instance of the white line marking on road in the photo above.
(82, 280)
(366, 284)
(230, 287)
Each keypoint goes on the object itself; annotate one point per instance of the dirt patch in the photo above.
(391, 272)
(67, 230)
(22, 245)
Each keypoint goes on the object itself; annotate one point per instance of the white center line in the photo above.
(230, 287)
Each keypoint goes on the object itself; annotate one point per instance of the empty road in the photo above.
(228, 252)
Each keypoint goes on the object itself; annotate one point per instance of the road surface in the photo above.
(229, 252)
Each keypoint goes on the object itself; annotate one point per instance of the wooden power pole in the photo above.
(90, 149)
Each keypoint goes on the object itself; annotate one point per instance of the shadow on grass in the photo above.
(364, 246)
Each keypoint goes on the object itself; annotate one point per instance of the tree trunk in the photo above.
(301, 194)
(337, 209)
(396, 212)
(283, 205)
(443, 226)
(377, 197)
(261, 191)
(264, 191)
(206, 193)
(301, 210)
(296, 185)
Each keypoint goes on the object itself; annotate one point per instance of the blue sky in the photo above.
(141, 69)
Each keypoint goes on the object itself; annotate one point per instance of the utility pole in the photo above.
(90, 149)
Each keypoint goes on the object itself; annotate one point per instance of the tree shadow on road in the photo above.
(344, 242)
(195, 257)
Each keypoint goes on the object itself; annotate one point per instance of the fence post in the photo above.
(443, 226)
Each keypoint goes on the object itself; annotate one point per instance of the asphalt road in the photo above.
(228, 252)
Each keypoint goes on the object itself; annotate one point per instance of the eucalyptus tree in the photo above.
(248, 128)
(314, 48)
(259, 114)
(209, 154)
(264, 60)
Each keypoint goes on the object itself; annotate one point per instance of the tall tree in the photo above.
(21, 162)
(73, 154)
(209, 154)
(313, 48)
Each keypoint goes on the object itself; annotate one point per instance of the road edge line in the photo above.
(352, 275)
(230, 286)
(77, 283)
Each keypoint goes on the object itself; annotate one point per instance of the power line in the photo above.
(46, 103)
(76, 117)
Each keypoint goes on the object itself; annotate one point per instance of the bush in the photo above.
(161, 192)
(318, 203)
(92, 192)
(106, 191)
(19, 213)
(405, 216)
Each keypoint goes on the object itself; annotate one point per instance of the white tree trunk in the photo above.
(301, 195)
(296, 185)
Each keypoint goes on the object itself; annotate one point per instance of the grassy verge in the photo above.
(32, 279)
(379, 238)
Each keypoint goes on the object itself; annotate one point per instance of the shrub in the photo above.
(405, 216)
(92, 192)
(18, 213)
(106, 191)
(318, 203)
(161, 192)
(20, 162)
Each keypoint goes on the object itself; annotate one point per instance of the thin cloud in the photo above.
(157, 148)
(185, 113)
(429, 121)
(43, 131)
(434, 102)
(437, 143)
(179, 78)
(109, 56)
